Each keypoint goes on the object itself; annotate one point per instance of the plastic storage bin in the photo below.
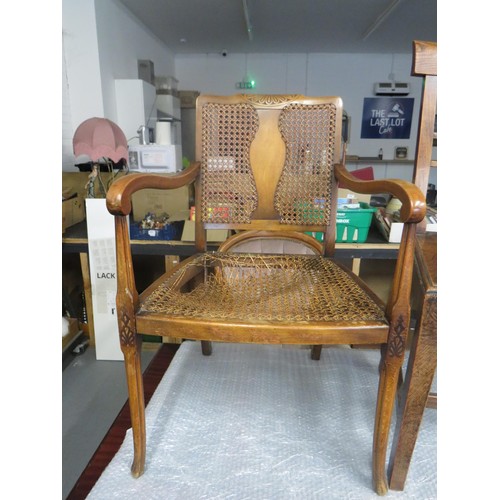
(171, 231)
(353, 224)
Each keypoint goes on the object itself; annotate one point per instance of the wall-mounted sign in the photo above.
(387, 117)
(245, 85)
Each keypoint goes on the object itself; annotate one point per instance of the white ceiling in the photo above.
(288, 26)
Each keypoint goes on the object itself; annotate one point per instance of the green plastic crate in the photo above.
(311, 212)
(353, 224)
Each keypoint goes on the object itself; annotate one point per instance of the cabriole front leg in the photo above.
(130, 344)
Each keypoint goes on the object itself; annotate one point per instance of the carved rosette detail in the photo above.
(269, 99)
(127, 333)
(396, 345)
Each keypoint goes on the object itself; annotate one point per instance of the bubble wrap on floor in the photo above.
(264, 422)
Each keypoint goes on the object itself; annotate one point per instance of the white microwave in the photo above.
(156, 158)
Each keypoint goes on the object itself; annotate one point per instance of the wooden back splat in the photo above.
(284, 180)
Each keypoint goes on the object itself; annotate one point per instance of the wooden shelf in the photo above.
(363, 159)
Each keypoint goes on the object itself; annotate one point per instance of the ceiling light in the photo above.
(247, 20)
(380, 19)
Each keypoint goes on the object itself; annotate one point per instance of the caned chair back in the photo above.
(267, 161)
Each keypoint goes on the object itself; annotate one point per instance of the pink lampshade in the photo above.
(98, 138)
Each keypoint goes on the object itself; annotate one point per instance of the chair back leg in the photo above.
(206, 347)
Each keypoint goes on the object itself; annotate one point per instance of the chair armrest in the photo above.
(118, 199)
(412, 199)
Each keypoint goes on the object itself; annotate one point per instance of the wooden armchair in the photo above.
(266, 164)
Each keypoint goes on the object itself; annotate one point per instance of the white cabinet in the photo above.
(135, 106)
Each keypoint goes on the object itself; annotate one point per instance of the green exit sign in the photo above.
(245, 85)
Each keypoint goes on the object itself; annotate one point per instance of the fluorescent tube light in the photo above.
(379, 19)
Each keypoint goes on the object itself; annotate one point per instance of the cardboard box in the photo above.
(392, 231)
(188, 98)
(213, 235)
(73, 211)
(365, 174)
(174, 202)
(345, 193)
(74, 182)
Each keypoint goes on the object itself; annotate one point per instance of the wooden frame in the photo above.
(425, 65)
(267, 152)
(417, 381)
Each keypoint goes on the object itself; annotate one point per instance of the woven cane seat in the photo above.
(259, 287)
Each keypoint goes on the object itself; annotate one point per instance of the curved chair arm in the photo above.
(411, 197)
(118, 199)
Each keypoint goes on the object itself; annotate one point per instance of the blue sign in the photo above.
(387, 117)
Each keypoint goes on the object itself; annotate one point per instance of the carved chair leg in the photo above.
(390, 368)
(206, 347)
(316, 352)
(132, 354)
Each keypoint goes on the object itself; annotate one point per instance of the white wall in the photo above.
(122, 42)
(350, 76)
(102, 42)
(81, 56)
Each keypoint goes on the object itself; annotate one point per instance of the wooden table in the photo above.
(75, 240)
(415, 391)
